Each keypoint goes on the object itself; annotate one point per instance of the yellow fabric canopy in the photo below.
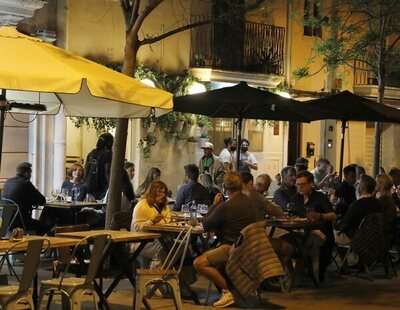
(33, 71)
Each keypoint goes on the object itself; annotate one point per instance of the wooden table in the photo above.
(55, 242)
(117, 236)
(293, 226)
(74, 207)
(176, 228)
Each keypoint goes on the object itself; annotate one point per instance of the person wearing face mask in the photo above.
(227, 154)
(21, 190)
(247, 160)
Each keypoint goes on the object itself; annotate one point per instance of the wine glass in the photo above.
(54, 193)
(64, 194)
(290, 209)
(185, 210)
(203, 209)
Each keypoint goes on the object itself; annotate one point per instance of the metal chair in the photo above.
(371, 245)
(63, 255)
(12, 295)
(10, 212)
(167, 274)
(71, 287)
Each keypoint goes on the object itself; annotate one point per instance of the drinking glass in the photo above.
(185, 208)
(203, 209)
(290, 208)
(64, 194)
(54, 193)
(310, 211)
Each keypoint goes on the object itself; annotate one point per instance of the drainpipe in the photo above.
(288, 43)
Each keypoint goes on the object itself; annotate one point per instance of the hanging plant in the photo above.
(203, 122)
(100, 124)
(146, 144)
(178, 85)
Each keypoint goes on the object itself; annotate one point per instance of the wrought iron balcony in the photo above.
(250, 47)
(364, 76)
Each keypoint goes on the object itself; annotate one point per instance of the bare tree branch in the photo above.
(134, 29)
(391, 46)
(126, 7)
(172, 32)
(134, 14)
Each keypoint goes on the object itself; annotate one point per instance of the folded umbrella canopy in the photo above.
(350, 107)
(35, 75)
(244, 102)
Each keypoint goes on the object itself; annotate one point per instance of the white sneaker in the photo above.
(225, 300)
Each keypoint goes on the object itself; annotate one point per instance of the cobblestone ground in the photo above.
(346, 292)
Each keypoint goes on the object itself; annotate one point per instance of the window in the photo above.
(311, 15)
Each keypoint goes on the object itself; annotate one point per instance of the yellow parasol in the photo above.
(35, 72)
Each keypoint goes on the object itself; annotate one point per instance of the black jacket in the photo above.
(24, 194)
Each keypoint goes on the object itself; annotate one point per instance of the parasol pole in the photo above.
(239, 142)
(342, 149)
(3, 107)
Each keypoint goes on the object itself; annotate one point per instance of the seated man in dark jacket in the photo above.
(192, 190)
(346, 190)
(21, 190)
(367, 204)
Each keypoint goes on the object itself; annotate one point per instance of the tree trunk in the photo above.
(121, 133)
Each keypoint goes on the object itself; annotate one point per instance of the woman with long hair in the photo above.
(75, 179)
(151, 210)
(153, 174)
(207, 182)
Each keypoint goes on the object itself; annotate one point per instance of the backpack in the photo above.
(92, 171)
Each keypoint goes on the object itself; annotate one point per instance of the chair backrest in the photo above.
(10, 211)
(178, 250)
(370, 241)
(121, 220)
(101, 243)
(33, 250)
(72, 228)
(64, 253)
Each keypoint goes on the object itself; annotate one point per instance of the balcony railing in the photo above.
(364, 76)
(251, 47)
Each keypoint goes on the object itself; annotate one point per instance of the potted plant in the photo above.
(204, 123)
(188, 123)
(146, 144)
(203, 139)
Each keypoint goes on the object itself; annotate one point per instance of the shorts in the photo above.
(218, 257)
